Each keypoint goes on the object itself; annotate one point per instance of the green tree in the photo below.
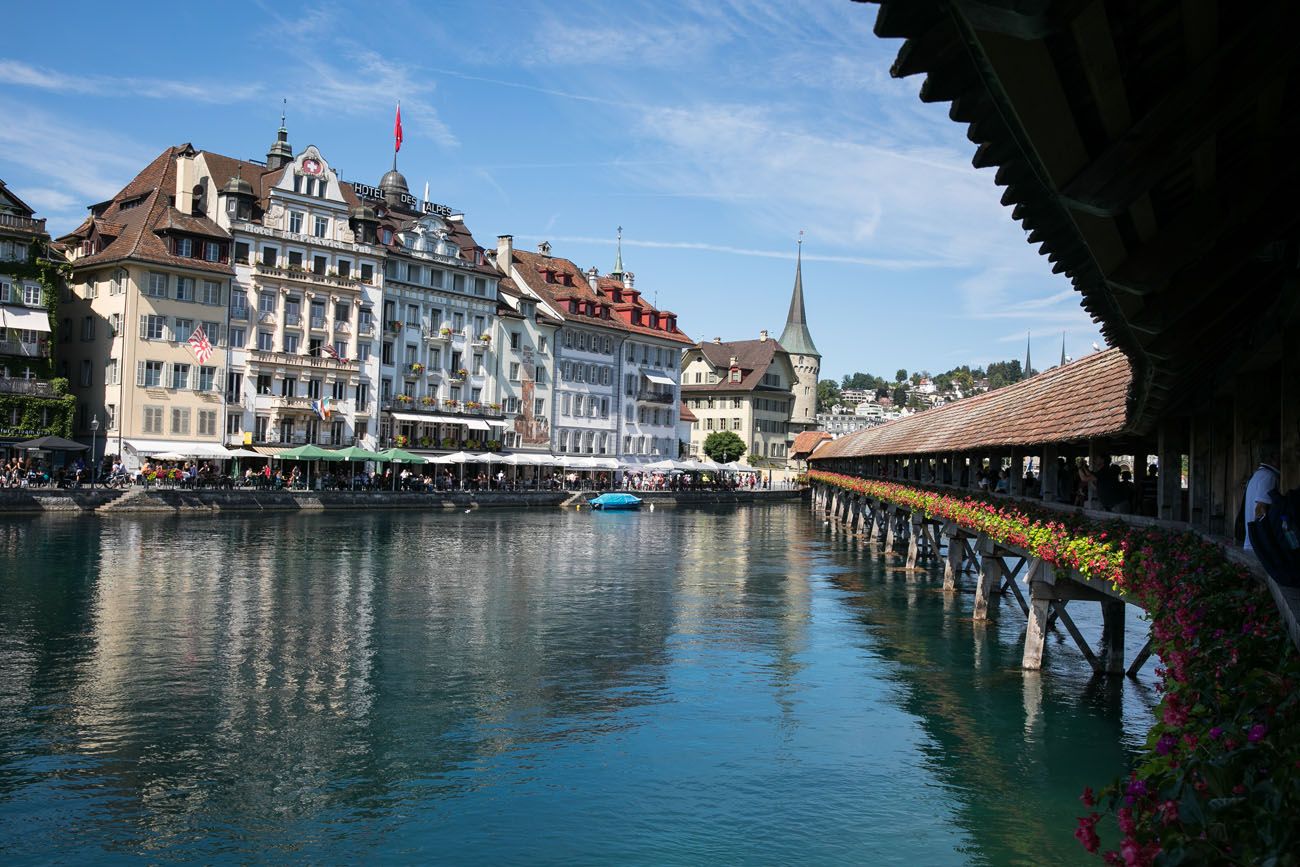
(900, 396)
(1004, 373)
(828, 394)
(900, 375)
(724, 446)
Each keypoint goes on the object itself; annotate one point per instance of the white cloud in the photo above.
(21, 74)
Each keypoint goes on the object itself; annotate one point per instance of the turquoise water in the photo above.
(675, 687)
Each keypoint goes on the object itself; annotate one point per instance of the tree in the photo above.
(900, 375)
(828, 394)
(724, 446)
(1004, 373)
(900, 396)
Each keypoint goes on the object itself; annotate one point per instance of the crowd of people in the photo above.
(22, 472)
(1111, 485)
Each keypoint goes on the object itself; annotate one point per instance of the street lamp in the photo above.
(94, 439)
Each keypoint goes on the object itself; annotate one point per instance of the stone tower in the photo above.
(807, 361)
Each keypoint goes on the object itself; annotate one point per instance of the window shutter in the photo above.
(139, 373)
(167, 375)
(144, 327)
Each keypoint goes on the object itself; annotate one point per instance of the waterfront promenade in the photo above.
(104, 501)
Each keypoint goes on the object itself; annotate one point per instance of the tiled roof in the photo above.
(753, 357)
(529, 267)
(1078, 401)
(807, 441)
(684, 412)
(134, 230)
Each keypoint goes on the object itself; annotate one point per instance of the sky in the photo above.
(712, 131)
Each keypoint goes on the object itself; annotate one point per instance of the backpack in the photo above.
(1276, 538)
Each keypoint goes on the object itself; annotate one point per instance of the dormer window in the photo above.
(185, 247)
(734, 375)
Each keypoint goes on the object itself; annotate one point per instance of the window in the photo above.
(88, 328)
(295, 259)
(367, 272)
(291, 343)
(514, 339)
(207, 378)
(110, 372)
(539, 375)
(207, 422)
(86, 368)
(457, 321)
(541, 343)
(289, 386)
(153, 416)
(363, 396)
(185, 247)
(514, 371)
(295, 222)
(152, 327)
(149, 374)
(211, 292)
(266, 341)
(234, 422)
(345, 268)
(241, 252)
(180, 376)
(320, 227)
(735, 424)
(313, 388)
(478, 363)
(480, 286)
(269, 256)
(565, 404)
(184, 328)
(212, 330)
(32, 296)
(386, 353)
(319, 265)
(342, 311)
(180, 421)
(212, 251)
(512, 405)
(568, 339)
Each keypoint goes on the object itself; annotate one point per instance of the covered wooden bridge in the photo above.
(1026, 439)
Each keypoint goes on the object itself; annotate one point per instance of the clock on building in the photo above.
(310, 166)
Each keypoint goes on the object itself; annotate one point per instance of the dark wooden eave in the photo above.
(1146, 146)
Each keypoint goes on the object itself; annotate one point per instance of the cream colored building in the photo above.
(147, 271)
(744, 386)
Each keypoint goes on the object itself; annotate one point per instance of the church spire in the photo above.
(1063, 349)
(1028, 368)
(618, 257)
(796, 339)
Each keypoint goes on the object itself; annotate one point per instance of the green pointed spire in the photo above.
(618, 257)
(1028, 367)
(796, 338)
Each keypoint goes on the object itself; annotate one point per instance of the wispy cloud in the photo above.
(19, 74)
(892, 264)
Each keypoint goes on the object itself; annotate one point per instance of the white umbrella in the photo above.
(171, 456)
(243, 453)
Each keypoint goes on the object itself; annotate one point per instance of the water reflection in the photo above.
(674, 687)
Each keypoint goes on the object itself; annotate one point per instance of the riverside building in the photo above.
(616, 357)
(31, 404)
(438, 357)
(744, 386)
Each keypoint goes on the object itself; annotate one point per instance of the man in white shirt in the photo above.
(1258, 492)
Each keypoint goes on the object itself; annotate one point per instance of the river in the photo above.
(720, 686)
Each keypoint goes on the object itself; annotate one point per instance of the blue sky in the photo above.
(713, 131)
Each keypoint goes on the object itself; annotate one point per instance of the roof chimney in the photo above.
(544, 248)
(732, 362)
(593, 277)
(762, 336)
(717, 340)
(505, 253)
(629, 279)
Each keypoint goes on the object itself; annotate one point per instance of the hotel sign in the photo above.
(365, 191)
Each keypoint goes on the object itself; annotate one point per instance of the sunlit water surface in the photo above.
(674, 687)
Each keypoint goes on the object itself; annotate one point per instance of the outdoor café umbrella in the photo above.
(398, 456)
(357, 453)
(309, 453)
(51, 444)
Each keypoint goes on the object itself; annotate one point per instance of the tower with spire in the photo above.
(617, 273)
(807, 361)
(280, 153)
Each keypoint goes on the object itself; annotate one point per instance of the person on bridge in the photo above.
(1259, 491)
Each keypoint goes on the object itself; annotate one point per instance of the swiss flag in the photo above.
(397, 130)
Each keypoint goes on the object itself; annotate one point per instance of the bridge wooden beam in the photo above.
(990, 578)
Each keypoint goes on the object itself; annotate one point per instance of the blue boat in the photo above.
(615, 501)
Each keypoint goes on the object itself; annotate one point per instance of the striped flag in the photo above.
(332, 353)
(322, 408)
(199, 343)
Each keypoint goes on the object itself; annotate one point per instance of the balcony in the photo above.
(26, 350)
(32, 387)
(299, 274)
(481, 342)
(436, 338)
(318, 323)
(239, 313)
(433, 406)
(411, 371)
(324, 362)
(26, 225)
(656, 397)
(366, 328)
(292, 320)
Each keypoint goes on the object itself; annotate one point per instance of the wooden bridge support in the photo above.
(913, 540)
(990, 579)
